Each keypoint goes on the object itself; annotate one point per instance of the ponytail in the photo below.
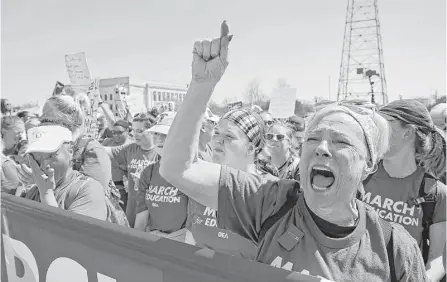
(430, 153)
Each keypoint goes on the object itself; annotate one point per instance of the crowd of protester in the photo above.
(352, 193)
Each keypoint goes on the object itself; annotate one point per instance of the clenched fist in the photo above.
(210, 58)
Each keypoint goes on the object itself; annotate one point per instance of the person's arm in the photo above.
(108, 114)
(142, 209)
(10, 179)
(141, 220)
(90, 201)
(435, 267)
(179, 165)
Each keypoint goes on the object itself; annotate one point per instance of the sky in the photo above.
(296, 40)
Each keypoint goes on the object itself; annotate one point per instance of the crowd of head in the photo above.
(351, 193)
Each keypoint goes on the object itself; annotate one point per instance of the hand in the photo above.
(43, 178)
(210, 58)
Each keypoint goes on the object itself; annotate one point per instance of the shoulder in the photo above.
(88, 184)
(107, 142)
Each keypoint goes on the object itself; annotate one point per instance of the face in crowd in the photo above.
(334, 161)
(142, 136)
(13, 132)
(60, 161)
(400, 136)
(231, 141)
(159, 142)
(278, 139)
(267, 118)
(119, 134)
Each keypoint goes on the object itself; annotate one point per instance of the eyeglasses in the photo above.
(117, 132)
(271, 136)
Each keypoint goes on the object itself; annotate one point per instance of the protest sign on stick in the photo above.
(91, 128)
(78, 71)
(282, 103)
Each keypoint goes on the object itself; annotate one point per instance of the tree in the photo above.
(253, 93)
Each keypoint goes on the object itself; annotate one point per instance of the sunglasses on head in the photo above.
(271, 136)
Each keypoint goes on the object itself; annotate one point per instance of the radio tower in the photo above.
(362, 71)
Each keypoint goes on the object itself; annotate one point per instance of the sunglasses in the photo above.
(271, 136)
(268, 123)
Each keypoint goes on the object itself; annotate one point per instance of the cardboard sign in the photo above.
(282, 102)
(78, 71)
(41, 243)
(91, 127)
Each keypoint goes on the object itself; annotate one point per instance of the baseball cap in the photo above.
(210, 116)
(47, 138)
(439, 115)
(163, 123)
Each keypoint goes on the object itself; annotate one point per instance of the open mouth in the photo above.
(321, 178)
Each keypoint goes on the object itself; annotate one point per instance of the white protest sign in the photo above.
(78, 71)
(282, 102)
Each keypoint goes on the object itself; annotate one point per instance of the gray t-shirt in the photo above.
(133, 160)
(295, 242)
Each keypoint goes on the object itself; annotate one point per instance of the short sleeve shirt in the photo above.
(390, 196)
(295, 243)
(79, 194)
(134, 160)
(9, 178)
(167, 206)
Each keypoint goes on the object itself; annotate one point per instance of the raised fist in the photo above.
(210, 58)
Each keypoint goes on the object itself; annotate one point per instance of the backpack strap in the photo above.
(271, 220)
(387, 230)
(427, 200)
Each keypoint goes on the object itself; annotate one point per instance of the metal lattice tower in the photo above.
(362, 70)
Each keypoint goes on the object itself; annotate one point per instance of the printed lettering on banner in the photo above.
(17, 250)
(91, 126)
(78, 71)
(396, 211)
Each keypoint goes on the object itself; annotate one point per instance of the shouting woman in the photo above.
(325, 231)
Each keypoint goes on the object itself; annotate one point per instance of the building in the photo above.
(161, 94)
(142, 95)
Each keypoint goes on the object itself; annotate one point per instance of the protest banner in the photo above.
(78, 71)
(42, 243)
(282, 102)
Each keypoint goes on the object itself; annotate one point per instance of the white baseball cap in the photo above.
(163, 123)
(47, 139)
(210, 116)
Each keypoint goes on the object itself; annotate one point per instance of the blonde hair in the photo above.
(63, 110)
(375, 128)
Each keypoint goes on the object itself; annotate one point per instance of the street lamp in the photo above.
(370, 74)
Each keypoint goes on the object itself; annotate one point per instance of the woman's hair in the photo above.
(375, 128)
(148, 119)
(430, 143)
(9, 122)
(63, 110)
